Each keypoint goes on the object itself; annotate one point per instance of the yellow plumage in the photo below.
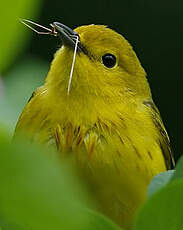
(108, 121)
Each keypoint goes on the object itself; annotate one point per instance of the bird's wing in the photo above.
(164, 141)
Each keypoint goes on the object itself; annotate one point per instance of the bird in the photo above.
(96, 107)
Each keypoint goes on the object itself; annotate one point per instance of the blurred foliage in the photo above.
(37, 192)
(160, 181)
(17, 88)
(178, 174)
(164, 208)
(13, 35)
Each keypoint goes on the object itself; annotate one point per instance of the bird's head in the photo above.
(105, 66)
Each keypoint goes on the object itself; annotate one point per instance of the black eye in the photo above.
(109, 60)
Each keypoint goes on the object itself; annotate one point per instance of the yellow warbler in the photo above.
(98, 106)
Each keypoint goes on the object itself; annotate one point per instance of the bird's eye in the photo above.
(109, 60)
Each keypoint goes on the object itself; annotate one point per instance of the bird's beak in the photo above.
(68, 36)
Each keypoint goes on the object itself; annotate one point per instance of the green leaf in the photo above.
(178, 170)
(38, 191)
(13, 34)
(164, 209)
(159, 181)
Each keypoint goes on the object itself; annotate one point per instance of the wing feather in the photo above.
(163, 141)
